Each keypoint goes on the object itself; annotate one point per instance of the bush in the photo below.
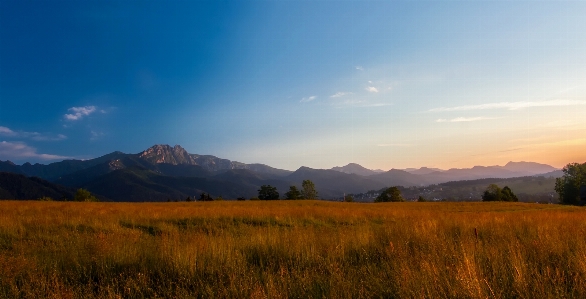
(392, 194)
(84, 195)
(293, 193)
(268, 192)
(494, 193)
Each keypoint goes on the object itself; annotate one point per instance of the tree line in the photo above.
(308, 191)
(571, 188)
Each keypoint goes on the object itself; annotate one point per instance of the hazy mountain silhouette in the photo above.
(423, 170)
(397, 177)
(425, 175)
(330, 183)
(355, 169)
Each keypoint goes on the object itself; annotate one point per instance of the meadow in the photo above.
(291, 249)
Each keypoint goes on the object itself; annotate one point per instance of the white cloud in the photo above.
(308, 99)
(79, 112)
(19, 150)
(340, 94)
(463, 119)
(359, 68)
(7, 132)
(371, 89)
(511, 105)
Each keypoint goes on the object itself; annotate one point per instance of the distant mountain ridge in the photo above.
(355, 169)
(164, 172)
(425, 175)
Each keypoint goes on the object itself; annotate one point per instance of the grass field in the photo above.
(291, 249)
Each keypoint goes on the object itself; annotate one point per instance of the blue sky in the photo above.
(386, 84)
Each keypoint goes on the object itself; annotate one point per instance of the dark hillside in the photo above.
(139, 184)
(17, 186)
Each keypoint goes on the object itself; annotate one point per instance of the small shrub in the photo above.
(84, 195)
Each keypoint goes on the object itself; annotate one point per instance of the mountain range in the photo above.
(162, 172)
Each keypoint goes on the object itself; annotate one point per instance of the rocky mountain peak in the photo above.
(163, 153)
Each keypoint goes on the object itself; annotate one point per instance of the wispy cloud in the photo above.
(80, 112)
(96, 135)
(511, 150)
(19, 150)
(360, 68)
(371, 89)
(340, 94)
(463, 119)
(359, 104)
(4, 131)
(40, 137)
(376, 105)
(308, 99)
(511, 105)
(394, 144)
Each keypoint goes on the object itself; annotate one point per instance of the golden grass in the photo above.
(291, 249)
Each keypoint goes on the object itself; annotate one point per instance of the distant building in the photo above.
(583, 193)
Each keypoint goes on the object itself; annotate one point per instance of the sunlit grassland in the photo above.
(291, 249)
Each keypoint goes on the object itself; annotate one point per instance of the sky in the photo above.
(386, 84)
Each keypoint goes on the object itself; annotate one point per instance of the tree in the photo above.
(508, 195)
(568, 186)
(268, 192)
(349, 198)
(309, 191)
(421, 199)
(205, 197)
(84, 195)
(392, 194)
(293, 193)
(492, 193)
